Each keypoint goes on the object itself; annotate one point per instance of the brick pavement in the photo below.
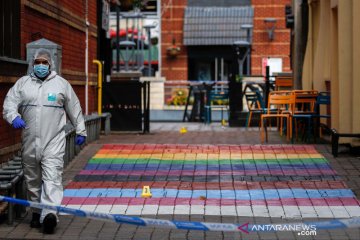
(346, 166)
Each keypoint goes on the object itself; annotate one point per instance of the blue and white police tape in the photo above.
(202, 226)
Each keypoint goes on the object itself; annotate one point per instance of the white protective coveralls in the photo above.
(43, 106)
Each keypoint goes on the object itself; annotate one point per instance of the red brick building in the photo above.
(62, 22)
(173, 20)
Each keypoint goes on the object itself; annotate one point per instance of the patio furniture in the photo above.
(220, 97)
(323, 99)
(283, 83)
(303, 111)
(279, 102)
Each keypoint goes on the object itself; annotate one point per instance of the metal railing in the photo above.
(93, 128)
(11, 182)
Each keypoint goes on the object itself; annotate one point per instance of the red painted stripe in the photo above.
(212, 202)
(212, 185)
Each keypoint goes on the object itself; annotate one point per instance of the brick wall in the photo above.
(172, 22)
(8, 136)
(279, 47)
(62, 22)
(262, 47)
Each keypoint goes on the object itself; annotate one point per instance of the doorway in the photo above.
(211, 63)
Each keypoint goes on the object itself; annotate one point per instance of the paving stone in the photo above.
(212, 210)
(103, 208)
(244, 211)
(292, 212)
(276, 211)
(267, 235)
(134, 210)
(323, 212)
(285, 235)
(197, 209)
(353, 233)
(260, 211)
(339, 212)
(182, 210)
(195, 235)
(231, 235)
(164, 210)
(354, 211)
(178, 234)
(307, 211)
(118, 209)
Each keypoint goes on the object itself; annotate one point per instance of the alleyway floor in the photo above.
(209, 174)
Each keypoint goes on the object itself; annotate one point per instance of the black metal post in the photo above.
(145, 86)
(248, 66)
(147, 123)
(149, 51)
(186, 116)
(267, 85)
(117, 38)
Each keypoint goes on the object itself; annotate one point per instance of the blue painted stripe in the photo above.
(226, 167)
(215, 194)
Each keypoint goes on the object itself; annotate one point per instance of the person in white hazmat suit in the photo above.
(38, 103)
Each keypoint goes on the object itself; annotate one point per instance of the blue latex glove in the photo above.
(80, 140)
(18, 123)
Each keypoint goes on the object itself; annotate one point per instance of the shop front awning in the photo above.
(216, 25)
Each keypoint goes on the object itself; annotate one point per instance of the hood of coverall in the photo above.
(41, 53)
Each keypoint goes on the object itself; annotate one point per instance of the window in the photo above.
(10, 28)
(218, 3)
(146, 6)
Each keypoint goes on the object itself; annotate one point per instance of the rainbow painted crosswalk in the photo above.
(292, 181)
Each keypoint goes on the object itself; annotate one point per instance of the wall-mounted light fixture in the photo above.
(270, 24)
(248, 28)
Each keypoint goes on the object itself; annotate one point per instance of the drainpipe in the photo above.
(86, 59)
(99, 86)
(159, 11)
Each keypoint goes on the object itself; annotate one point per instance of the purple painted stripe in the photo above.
(210, 202)
(211, 172)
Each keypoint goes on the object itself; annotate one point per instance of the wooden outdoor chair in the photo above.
(254, 104)
(281, 102)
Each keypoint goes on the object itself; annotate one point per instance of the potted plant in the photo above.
(173, 50)
(139, 4)
(136, 5)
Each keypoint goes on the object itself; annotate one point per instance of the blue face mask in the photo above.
(41, 70)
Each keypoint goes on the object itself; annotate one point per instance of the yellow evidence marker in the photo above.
(146, 193)
(183, 130)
